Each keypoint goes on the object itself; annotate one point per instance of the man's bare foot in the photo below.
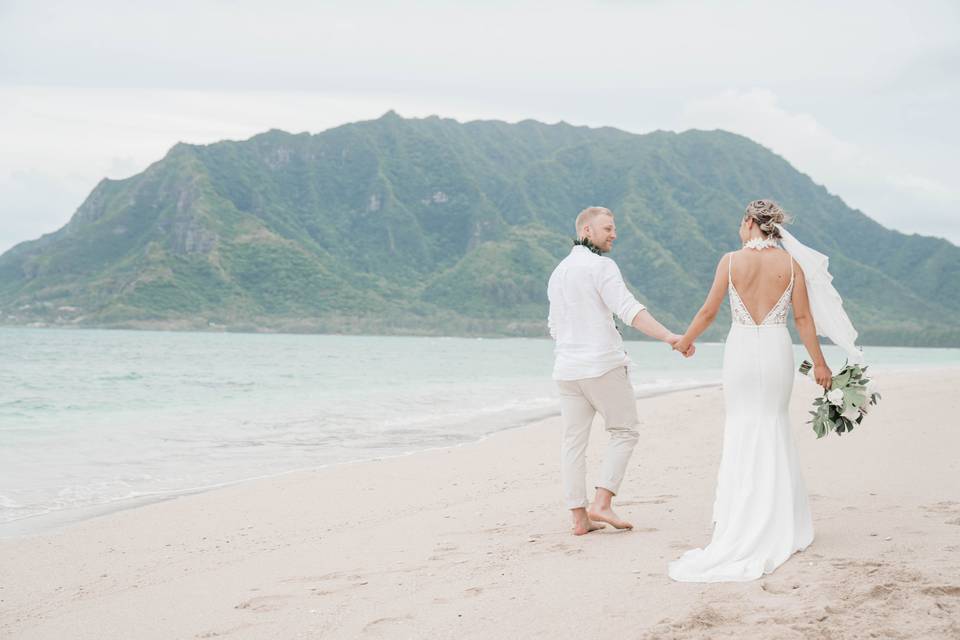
(582, 524)
(606, 514)
(582, 528)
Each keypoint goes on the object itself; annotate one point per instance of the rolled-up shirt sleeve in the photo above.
(615, 294)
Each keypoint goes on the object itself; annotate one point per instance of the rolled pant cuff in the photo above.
(614, 489)
(577, 504)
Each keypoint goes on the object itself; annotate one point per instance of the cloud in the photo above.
(34, 203)
(866, 180)
(381, 46)
(98, 89)
(60, 142)
(68, 139)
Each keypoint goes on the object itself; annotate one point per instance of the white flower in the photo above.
(835, 397)
(851, 414)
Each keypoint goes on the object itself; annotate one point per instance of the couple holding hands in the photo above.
(761, 514)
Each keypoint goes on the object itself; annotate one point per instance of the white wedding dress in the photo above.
(760, 513)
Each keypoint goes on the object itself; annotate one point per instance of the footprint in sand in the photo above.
(847, 563)
(779, 589)
(326, 584)
(881, 591)
(389, 626)
(880, 597)
(495, 530)
(317, 591)
(446, 551)
(562, 547)
(472, 592)
(946, 506)
(327, 576)
(946, 590)
(263, 604)
(224, 632)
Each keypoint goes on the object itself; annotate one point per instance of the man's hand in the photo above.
(684, 345)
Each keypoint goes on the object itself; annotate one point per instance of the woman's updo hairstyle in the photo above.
(767, 214)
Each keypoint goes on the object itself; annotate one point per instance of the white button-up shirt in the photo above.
(585, 290)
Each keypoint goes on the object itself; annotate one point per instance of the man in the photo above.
(585, 290)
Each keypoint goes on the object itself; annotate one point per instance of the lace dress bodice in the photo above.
(775, 317)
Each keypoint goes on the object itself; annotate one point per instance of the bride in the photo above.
(760, 511)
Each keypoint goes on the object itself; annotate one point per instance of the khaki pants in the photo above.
(610, 395)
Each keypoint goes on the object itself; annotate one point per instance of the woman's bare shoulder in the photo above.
(726, 258)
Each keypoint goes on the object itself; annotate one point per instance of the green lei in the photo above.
(585, 242)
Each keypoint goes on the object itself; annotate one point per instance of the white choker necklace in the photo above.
(760, 243)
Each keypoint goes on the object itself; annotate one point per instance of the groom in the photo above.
(585, 290)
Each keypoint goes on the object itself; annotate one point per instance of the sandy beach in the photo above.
(472, 542)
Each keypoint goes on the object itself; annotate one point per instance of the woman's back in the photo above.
(760, 511)
(760, 278)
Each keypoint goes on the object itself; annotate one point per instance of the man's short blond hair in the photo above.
(587, 216)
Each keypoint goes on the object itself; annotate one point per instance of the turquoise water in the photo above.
(90, 418)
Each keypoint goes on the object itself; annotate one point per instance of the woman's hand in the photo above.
(823, 375)
(684, 345)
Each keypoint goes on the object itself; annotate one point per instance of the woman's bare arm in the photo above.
(803, 320)
(708, 312)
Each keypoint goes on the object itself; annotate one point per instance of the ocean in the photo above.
(98, 420)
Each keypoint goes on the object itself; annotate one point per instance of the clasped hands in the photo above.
(682, 344)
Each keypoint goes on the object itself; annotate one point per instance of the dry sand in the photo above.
(471, 542)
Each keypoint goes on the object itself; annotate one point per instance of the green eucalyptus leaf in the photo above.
(840, 381)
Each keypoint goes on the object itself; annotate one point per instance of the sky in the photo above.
(861, 96)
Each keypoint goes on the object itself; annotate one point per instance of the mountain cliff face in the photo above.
(436, 227)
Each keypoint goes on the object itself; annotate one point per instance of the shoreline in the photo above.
(58, 519)
(715, 336)
(472, 542)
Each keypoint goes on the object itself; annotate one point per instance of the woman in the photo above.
(760, 512)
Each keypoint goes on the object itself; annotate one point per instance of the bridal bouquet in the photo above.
(846, 402)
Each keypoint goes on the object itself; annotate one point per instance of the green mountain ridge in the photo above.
(431, 226)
